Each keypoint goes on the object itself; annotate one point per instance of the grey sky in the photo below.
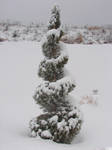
(72, 11)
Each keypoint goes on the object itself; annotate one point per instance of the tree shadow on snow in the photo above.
(78, 139)
(24, 133)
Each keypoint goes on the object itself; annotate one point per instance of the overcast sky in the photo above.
(79, 12)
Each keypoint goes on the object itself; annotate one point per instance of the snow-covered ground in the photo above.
(89, 65)
(16, 31)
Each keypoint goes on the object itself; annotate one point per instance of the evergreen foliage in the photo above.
(54, 22)
(61, 121)
(60, 126)
(51, 67)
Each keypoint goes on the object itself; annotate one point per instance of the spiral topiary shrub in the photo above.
(61, 121)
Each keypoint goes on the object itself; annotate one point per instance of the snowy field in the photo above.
(89, 65)
(16, 31)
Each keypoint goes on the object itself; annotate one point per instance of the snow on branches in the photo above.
(54, 21)
(59, 126)
(62, 121)
(51, 95)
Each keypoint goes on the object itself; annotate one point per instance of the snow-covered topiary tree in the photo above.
(54, 21)
(61, 121)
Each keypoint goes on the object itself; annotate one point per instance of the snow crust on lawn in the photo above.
(89, 65)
